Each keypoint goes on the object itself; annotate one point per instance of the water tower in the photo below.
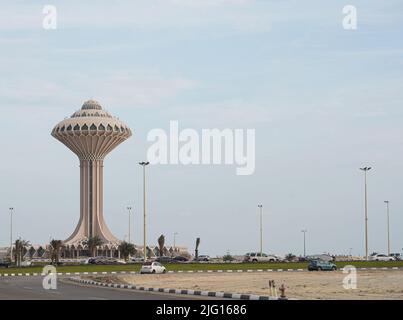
(91, 133)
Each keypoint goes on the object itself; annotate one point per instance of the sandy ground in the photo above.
(300, 285)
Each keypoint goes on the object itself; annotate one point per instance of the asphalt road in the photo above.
(30, 288)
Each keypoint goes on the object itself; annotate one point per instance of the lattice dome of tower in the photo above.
(91, 132)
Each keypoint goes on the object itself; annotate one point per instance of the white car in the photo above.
(257, 257)
(152, 267)
(381, 257)
(26, 263)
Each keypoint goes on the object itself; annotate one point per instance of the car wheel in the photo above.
(153, 271)
(164, 271)
(334, 268)
(319, 269)
(254, 260)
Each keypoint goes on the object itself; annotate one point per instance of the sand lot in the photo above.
(300, 285)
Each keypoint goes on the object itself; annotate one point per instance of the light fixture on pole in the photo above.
(304, 232)
(144, 164)
(261, 228)
(388, 225)
(129, 209)
(365, 170)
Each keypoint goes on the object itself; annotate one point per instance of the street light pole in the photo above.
(144, 164)
(261, 228)
(366, 169)
(130, 213)
(11, 232)
(304, 231)
(175, 234)
(387, 218)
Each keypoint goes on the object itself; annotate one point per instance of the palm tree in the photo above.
(161, 244)
(31, 252)
(126, 249)
(197, 248)
(20, 245)
(290, 257)
(92, 243)
(40, 252)
(55, 247)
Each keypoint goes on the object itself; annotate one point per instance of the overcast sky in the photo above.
(323, 100)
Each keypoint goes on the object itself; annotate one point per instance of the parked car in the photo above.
(319, 265)
(381, 257)
(4, 263)
(181, 259)
(105, 261)
(257, 257)
(203, 257)
(26, 263)
(152, 267)
(164, 259)
(397, 256)
(137, 259)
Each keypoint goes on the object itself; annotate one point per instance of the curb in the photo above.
(181, 271)
(213, 294)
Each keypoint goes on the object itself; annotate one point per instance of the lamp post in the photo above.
(11, 232)
(388, 225)
(304, 232)
(129, 209)
(144, 164)
(175, 234)
(366, 169)
(261, 228)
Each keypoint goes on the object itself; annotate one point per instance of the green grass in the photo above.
(200, 266)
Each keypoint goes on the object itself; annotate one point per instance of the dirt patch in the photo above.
(300, 285)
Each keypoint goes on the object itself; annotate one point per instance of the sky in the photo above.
(324, 101)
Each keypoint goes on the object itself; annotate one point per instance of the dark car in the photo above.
(181, 259)
(164, 259)
(4, 263)
(319, 265)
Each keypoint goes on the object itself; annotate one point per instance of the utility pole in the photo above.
(304, 231)
(175, 234)
(11, 232)
(387, 219)
(366, 169)
(144, 164)
(130, 213)
(261, 228)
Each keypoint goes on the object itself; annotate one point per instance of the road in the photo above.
(30, 288)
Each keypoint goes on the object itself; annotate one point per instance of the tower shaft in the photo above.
(91, 197)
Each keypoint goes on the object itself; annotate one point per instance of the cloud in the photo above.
(208, 3)
(227, 113)
(162, 14)
(123, 89)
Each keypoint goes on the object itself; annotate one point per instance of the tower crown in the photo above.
(91, 132)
